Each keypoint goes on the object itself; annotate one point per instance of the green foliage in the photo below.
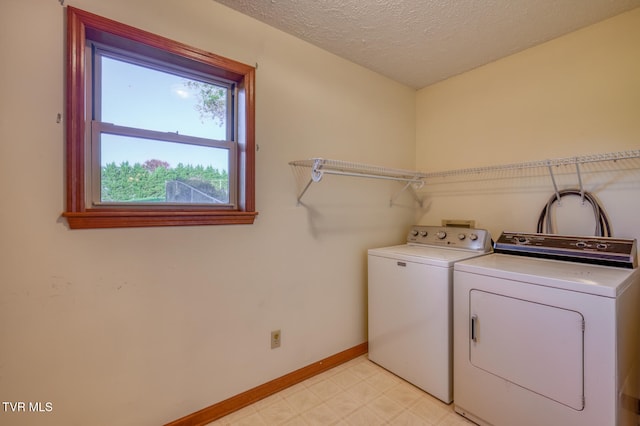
(212, 101)
(147, 182)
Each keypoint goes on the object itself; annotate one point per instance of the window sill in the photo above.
(133, 219)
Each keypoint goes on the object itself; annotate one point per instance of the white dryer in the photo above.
(539, 341)
(410, 304)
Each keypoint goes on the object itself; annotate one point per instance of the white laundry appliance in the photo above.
(410, 303)
(542, 341)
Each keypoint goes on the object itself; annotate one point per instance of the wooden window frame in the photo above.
(79, 214)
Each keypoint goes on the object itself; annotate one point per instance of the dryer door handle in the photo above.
(474, 324)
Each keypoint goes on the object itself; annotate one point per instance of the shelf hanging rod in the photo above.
(372, 176)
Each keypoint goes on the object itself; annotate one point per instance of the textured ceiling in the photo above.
(420, 42)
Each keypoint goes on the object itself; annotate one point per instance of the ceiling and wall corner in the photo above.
(418, 42)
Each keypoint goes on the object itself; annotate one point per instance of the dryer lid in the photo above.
(585, 278)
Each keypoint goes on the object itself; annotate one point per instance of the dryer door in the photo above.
(535, 346)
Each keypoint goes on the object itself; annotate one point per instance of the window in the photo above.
(158, 133)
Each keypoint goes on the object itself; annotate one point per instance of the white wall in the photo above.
(143, 326)
(575, 95)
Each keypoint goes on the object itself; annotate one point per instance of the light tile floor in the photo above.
(355, 393)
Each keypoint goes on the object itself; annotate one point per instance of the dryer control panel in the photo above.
(598, 250)
(451, 237)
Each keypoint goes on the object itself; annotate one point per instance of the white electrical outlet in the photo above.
(276, 337)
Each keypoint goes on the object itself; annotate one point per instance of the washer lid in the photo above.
(427, 255)
(585, 278)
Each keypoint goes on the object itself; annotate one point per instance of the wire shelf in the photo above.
(312, 170)
(568, 161)
(320, 166)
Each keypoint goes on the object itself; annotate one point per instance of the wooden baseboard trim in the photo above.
(228, 406)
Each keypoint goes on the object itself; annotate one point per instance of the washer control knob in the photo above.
(414, 232)
(441, 235)
(581, 244)
(601, 246)
(461, 237)
(473, 237)
(423, 233)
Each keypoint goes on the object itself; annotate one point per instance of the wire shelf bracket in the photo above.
(318, 167)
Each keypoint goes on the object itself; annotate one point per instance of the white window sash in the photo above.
(98, 128)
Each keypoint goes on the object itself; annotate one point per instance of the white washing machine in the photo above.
(410, 304)
(539, 341)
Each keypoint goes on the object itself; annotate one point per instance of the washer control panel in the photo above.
(453, 237)
(598, 250)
